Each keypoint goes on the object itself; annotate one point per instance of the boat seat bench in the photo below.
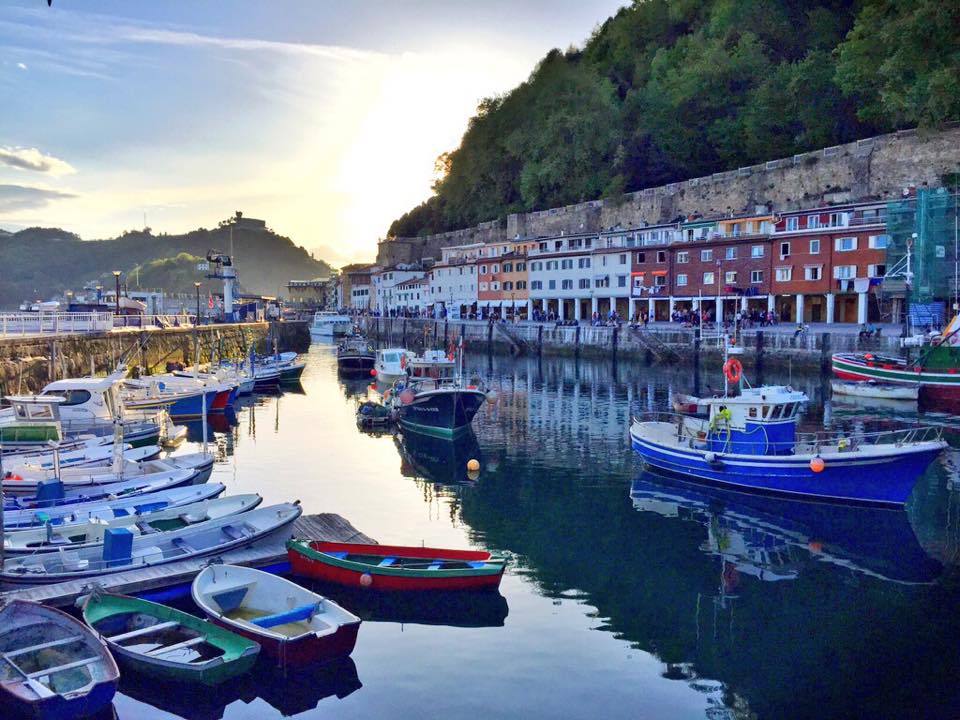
(42, 646)
(63, 668)
(176, 646)
(143, 631)
(387, 562)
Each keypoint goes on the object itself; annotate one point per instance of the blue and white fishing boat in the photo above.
(750, 441)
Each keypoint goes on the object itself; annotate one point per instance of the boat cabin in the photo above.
(85, 399)
(759, 421)
(32, 419)
(432, 364)
(391, 361)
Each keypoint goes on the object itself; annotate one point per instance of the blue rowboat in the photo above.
(750, 442)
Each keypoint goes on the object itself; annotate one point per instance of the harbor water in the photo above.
(627, 595)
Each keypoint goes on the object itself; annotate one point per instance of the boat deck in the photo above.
(323, 526)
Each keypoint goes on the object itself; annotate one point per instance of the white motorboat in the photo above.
(329, 324)
(122, 551)
(877, 390)
(92, 532)
(391, 363)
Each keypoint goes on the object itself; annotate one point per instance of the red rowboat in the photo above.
(292, 624)
(392, 568)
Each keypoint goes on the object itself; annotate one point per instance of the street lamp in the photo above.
(196, 285)
(116, 277)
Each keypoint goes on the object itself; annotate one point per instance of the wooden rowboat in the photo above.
(391, 568)
(292, 624)
(875, 390)
(166, 643)
(52, 666)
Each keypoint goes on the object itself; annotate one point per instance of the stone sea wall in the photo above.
(877, 168)
(27, 364)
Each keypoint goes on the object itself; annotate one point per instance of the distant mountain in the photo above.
(41, 262)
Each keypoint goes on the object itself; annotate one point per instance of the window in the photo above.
(876, 271)
(660, 280)
(661, 256)
(706, 255)
(623, 258)
(508, 285)
(793, 223)
(813, 222)
(508, 267)
(731, 253)
(583, 263)
(521, 267)
(641, 257)
(483, 286)
(681, 280)
(756, 251)
(566, 264)
(73, 397)
(584, 283)
(602, 282)
(815, 246)
(683, 257)
(621, 280)
(784, 250)
(567, 285)
(553, 285)
(521, 284)
(844, 272)
(551, 264)
(784, 274)
(845, 244)
(494, 286)
(543, 247)
(879, 242)
(812, 272)
(708, 278)
(838, 219)
(483, 269)
(536, 267)
(756, 276)
(730, 277)
(737, 229)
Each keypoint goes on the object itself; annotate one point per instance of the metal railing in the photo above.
(154, 321)
(54, 323)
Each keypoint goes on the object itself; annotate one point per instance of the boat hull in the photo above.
(358, 362)
(934, 385)
(875, 480)
(306, 562)
(444, 413)
(308, 650)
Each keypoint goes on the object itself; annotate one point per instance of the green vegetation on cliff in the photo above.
(42, 261)
(671, 89)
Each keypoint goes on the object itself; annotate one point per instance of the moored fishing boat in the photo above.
(355, 354)
(437, 407)
(292, 624)
(166, 643)
(873, 389)
(122, 551)
(390, 364)
(393, 568)
(92, 533)
(107, 509)
(750, 441)
(51, 666)
(328, 324)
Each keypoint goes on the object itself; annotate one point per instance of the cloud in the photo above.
(21, 65)
(14, 198)
(33, 159)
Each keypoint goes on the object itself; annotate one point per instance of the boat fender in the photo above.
(366, 580)
(817, 464)
(712, 459)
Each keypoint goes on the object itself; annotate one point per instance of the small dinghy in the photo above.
(165, 643)
(394, 568)
(292, 624)
(92, 456)
(372, 414)
(66, 515)
(49, 496)
(875, 390)
(92, 533)
(121, 550)
(690, 405)
(51, 666)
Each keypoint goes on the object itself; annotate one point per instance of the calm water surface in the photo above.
(627, 595)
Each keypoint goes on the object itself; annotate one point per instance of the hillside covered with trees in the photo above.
(672, 89)
(45, 261)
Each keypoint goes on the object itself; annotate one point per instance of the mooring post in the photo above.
(446, 327)
(540, 339)
(616, 330)
(759, 353)
(490, 337)
(52, 369)
(825, 354)
(576, 344)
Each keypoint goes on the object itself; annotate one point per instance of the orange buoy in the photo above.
(373, 372)
(817, 464)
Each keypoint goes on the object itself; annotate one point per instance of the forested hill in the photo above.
(672, 89)
(39, 262)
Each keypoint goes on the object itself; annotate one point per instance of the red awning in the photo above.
(659, 272)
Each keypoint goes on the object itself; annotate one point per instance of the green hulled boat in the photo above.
(167, 643)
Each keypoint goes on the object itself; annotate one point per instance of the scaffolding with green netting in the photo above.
(926, 225)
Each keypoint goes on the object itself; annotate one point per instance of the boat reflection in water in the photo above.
(453, 608)
(440, 460)
(774, 539)
(216, 423)
(290, 693)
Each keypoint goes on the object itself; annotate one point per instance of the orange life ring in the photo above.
(403, 361)
(733, 369)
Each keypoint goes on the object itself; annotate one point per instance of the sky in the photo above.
(323, 118)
